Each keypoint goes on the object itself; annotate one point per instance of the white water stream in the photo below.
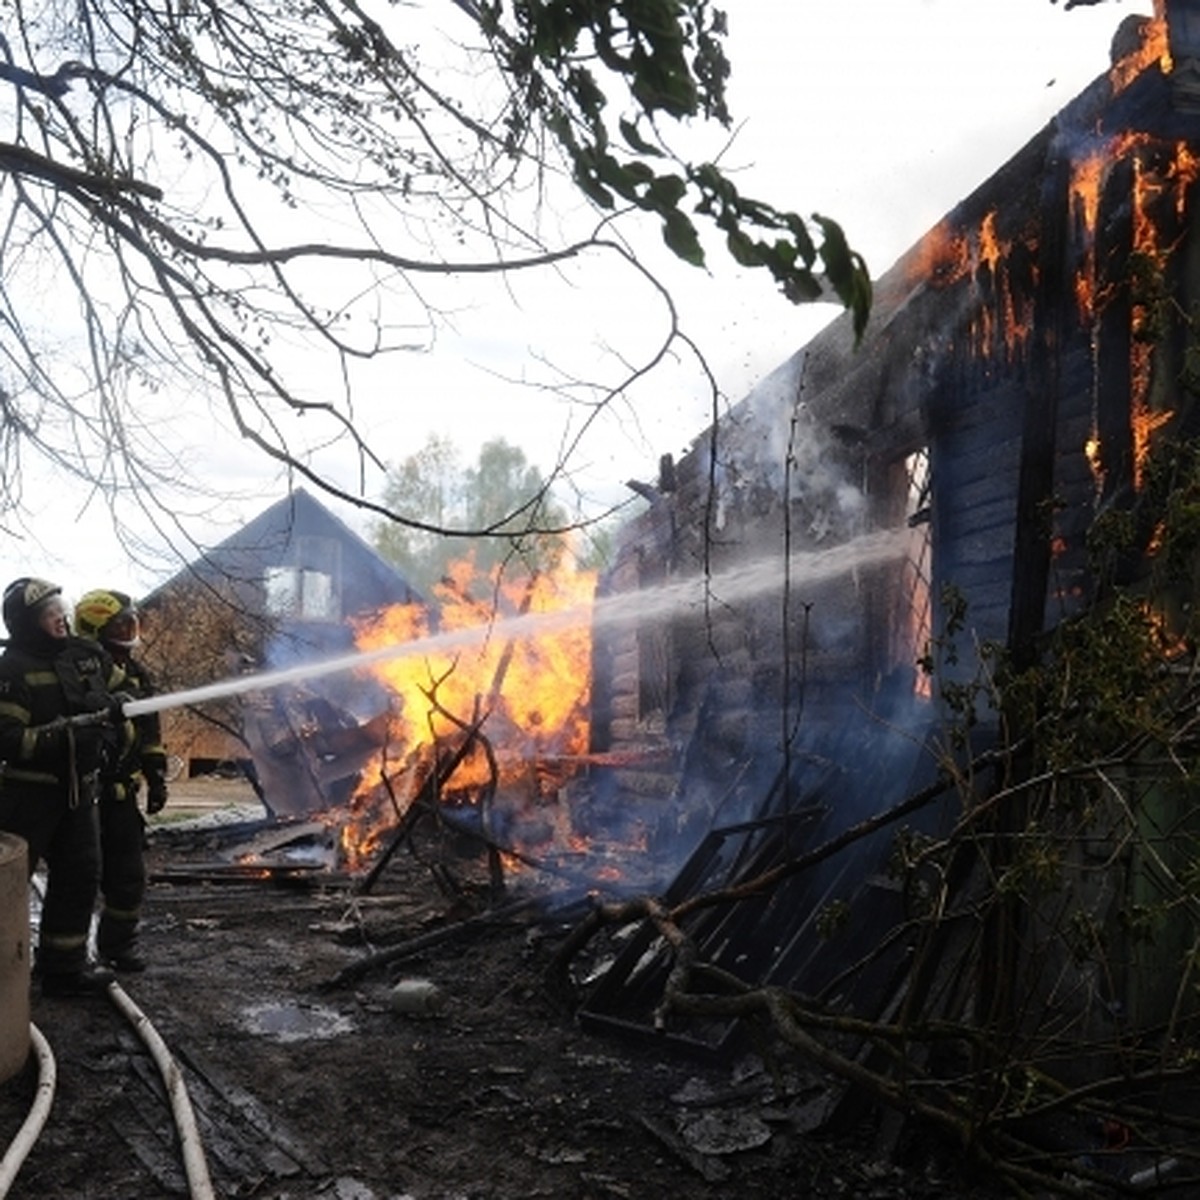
(739, 583)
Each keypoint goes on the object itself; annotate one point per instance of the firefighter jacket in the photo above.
(141, 754)
(37, 689)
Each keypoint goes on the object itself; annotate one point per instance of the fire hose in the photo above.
(39, 1110)
(194, 1163)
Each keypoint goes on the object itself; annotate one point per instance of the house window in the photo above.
(300, 595)
(307, 586)
(914, 620)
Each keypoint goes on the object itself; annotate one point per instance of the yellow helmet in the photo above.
(109, 616)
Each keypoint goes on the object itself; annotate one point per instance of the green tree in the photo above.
(596, 543)
(498, 511)
(428, 484)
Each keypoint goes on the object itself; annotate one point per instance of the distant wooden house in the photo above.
(1021, 361)
(282, 591)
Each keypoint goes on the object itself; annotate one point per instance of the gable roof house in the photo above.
(284, 590)
(925, 495)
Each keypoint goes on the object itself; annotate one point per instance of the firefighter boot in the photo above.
(128, 960)
(117, 943)
(87, 980)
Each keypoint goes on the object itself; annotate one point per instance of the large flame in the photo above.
(1087, 176)
(1153, 48)
(1161, 175)
(1173, 182)
(942, 257)
(981, 257)
(527, 695)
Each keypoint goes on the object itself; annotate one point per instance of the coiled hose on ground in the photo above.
(39, 1110)
(194, 1163)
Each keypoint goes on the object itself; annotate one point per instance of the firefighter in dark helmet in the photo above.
(110, 618)
(50, 770)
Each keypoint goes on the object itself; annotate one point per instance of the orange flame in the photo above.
(1184, 169)
(531, 691)
(1091, 451)
(945, 258)
(1145, 422)
(1171, 645)
(1087, 175)
(1160, 175)
(1153, 48)
(1150, 186)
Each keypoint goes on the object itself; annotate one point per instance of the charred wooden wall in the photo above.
(1005, 349)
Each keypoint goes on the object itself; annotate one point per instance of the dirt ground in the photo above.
(312, 1073)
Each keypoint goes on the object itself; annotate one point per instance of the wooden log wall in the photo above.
(1011, 347)
(980, 354)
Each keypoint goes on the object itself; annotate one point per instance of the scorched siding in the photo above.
(999, 345)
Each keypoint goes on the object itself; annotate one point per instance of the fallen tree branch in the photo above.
(639, 908)
(424, 941)
(424, 801)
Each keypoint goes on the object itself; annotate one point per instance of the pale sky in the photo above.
(879, 113)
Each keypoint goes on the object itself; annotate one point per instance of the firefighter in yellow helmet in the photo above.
(50, 767)
(109, 617)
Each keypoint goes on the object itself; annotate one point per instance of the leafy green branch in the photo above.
(669, 56)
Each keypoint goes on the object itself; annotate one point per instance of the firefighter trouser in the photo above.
(66, 837)
(123, 870)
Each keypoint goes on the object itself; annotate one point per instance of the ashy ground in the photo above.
(446, 1072)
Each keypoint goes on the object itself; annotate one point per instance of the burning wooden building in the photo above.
(794, 700)
(1014, 376)
(847, 558)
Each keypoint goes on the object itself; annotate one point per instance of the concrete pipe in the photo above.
(14, 955)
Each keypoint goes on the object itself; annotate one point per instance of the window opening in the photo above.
(299, 594)
(916, 604)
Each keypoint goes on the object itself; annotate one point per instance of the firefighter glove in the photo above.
(116, 707)
(156, 795)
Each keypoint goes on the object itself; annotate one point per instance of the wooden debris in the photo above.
(434, 937)
(256, 1118)
(291, 874)
(280, 836)
(710, 1169)
(246, 1145)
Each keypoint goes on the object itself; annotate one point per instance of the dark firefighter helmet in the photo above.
(22, 600)
(106, 615)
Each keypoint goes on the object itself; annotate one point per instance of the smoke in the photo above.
(771, 448)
